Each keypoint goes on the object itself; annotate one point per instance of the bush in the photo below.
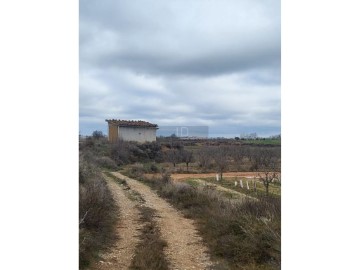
(166, 177)
(246, 234)
(137, 170)
(107, 163)
(97, 134)
(97, 211)
(154, 168)
(87, 169)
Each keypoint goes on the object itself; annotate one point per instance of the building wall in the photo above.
(113, 133)
(138, 134)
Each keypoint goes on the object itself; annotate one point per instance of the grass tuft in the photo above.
(149, 253)
(244, 235)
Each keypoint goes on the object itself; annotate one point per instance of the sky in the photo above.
(208, 63)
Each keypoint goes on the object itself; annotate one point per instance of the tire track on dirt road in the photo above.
(185, 249)
(128, 230)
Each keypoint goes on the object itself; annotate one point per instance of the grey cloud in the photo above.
(180, 62)
(202, 38)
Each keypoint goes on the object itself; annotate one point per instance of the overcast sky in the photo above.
(212, 63)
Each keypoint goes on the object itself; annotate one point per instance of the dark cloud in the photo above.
(180, 62)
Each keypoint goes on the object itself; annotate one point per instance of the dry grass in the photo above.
(149, 253)
(97, 213)
(228, 182)
(243, 235)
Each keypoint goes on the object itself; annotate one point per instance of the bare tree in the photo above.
(268, 167)
(204, 158)
(221, 157)
(173, 156)
(187, 157)
(238, 156)
(97, 134)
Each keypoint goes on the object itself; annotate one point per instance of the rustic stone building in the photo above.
(138, 131)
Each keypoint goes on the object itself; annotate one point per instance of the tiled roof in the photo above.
(132, 123)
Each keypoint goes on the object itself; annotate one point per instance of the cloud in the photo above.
(181, 62)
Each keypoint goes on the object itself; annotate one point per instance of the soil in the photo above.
(185, 248)
(128, 230)
(238, 195)
(177, 177)
(183, 176)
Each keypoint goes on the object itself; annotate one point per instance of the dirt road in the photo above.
(128, 229)
(185, 249)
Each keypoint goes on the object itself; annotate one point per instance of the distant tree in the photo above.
(173, 156)
(238, 155)
(177, 145)
(97, 134)
(204, 158)
(187, 157)
(254, 156)
(268, 167)
(221, 157)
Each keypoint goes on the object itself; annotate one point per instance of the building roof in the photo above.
(130, 123)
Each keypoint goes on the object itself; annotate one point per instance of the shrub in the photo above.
(154, 168)
(87, 169)
(97, 134)
(107, 163)
(137, 170)
(97, 211)
(246, 234)
(166, 177)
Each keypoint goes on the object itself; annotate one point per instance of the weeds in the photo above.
(149, 253)
(244, 235)
(97, 213)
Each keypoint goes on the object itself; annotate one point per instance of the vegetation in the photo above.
(97, 134)
(221, 158)
(149, 253)
(274, 188)
(97, 212)
(262, 142)
(243, 235)
(239, 234)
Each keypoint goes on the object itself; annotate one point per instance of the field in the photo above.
(229, 190)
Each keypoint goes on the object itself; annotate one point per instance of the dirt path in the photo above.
(184, 176)
(121, 254)
(185, 249)
(221, 188)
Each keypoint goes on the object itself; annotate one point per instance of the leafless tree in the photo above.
(187, 157)
(173, 156)
(204, 158)
(268, 167)
(238, 155)
(97, 134)
(221, 157)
